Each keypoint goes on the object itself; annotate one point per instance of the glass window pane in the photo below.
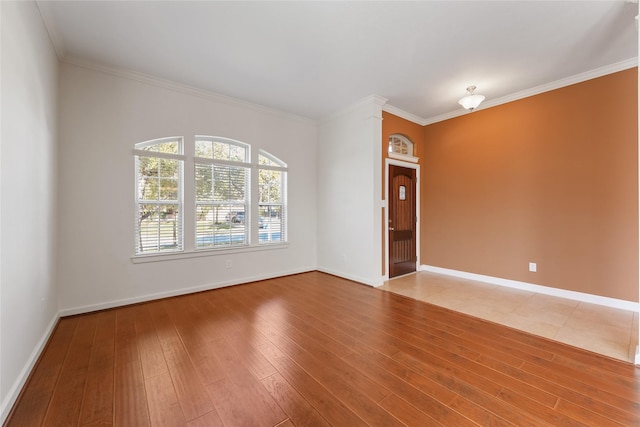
(204, 182)
(168, 168)
(204, 148)
(168, 147)
(172, 147)
(220, 225)
(269, 159)
(271, 224)
(158, 228)
(159, 183)
(148, 189)
(168, 189)
(262, 160)
(229, 183)
(269, 186)
(220, 150)
(237, 153)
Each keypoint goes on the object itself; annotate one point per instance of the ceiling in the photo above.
(315, 58)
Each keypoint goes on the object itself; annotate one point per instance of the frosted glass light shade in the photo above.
(470, 102)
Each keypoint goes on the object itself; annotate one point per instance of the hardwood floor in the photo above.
(314, 349)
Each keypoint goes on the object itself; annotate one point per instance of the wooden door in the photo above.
(402, 220)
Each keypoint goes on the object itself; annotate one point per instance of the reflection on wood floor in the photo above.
(314, 349)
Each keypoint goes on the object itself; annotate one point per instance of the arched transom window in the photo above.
(400, 147)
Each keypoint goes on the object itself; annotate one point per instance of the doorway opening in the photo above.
(402, 217)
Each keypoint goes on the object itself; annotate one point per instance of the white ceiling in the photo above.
(314, 58)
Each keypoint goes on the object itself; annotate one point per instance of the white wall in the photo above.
(29, 304)
(103, 113)
(349, 193)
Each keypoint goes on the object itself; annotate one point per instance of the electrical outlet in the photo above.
(229, 263)
(533, 267)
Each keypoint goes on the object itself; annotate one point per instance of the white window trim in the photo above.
(403, 157)
(169, 256)
(180, 157)
(146, 153)
(285, 194)
(186, 155)
(271, 168)
(399, 156)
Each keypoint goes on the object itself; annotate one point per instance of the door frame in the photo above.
(387, 163)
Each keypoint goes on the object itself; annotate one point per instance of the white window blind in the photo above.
(223, 176)
(159, 170)
(234, 199)
(272, 191)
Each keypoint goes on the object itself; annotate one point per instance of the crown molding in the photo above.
(403, 114)
(578, 78)
(371, 100)
(181, 88)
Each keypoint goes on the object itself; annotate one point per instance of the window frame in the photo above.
(281, 167)
(405, 143)
(188, 199)
(138, 152)
(245, 164)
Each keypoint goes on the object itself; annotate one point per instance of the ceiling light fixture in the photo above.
(471, 100)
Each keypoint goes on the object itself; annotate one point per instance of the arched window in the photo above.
(222, 183)
(236, 198)
(159, 170)
(400, 147)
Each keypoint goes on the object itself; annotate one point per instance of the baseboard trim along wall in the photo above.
(20, 382)
(561, 293)
(368, 282)
(177, 292)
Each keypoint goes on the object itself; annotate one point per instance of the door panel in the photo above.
(402, 220)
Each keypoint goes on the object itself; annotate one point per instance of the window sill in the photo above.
(140, 259)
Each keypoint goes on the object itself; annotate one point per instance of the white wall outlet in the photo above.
(533, 267)
(229, 263)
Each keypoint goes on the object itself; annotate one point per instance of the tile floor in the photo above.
(600, 329)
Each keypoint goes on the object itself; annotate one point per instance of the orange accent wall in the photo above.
(550, 179)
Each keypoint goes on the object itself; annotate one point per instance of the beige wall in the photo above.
(550, 179)
(95, 276)
(28, 293)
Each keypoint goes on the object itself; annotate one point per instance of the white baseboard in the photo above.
(15, 390)
(637, 359)
(177, 292)
(561, 293)
(374, 283)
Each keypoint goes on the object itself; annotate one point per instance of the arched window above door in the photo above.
(401, 148)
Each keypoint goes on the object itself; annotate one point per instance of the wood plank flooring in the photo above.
(315, 350)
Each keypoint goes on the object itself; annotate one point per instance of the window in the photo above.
(400, 147)
(237, 197)
(222, 179)
(159, 164)
(272, 178)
